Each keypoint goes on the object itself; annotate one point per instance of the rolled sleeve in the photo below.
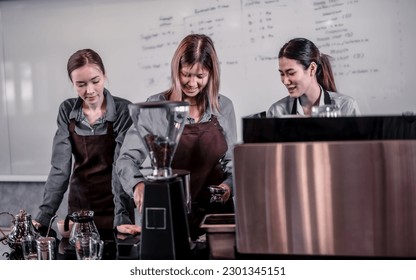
(132, 155)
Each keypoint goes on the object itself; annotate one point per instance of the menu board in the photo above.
(369, 40)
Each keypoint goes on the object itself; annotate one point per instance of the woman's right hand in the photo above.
(36, 224)
(138, 194)
(129, 229)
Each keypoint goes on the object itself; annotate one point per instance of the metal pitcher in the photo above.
(22, 226)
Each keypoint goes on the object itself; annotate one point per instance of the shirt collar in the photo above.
(206, 116)
(110, 115)
(300, 108)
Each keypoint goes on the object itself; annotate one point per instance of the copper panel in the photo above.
(355, 198)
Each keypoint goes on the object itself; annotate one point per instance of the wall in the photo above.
(371, 42)
(26, 196)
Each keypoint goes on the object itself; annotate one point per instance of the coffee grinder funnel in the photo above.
(159, 125)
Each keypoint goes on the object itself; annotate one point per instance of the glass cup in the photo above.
(216, 194)
(46, 247)
(88, 246)
(326, 111)
(29, 248)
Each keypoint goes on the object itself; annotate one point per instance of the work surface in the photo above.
(116, 247)
(63, 250)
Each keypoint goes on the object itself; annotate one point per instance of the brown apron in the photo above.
(199, 151)
(90, 186)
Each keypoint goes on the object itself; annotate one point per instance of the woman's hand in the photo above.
(129, 229)
(36, 224)
(138, 193)
(227, 193)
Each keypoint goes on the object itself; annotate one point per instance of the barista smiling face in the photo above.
(296, 78)
(193, 80)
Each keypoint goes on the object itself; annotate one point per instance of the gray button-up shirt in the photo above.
(347, 105)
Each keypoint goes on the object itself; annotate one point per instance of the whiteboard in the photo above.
(371, 42)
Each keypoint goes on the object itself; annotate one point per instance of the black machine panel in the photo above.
(259, 129)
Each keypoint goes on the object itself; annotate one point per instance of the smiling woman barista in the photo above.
(89, 127)
(308, 77)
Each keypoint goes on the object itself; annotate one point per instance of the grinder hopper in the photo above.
(160, 125)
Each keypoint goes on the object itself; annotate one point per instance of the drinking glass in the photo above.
(326, 111)
(29, 248)
(216, 194)
(46, 247)
(88, 246)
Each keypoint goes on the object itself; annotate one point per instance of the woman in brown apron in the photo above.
(88, 129)
(205, 147)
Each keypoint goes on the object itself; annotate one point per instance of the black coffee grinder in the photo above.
(165, 231)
